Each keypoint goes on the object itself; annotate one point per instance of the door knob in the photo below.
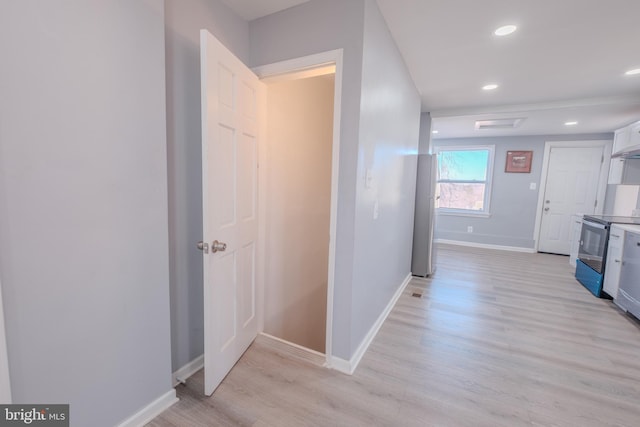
(203, 246)
(546, 209)
(218, 246)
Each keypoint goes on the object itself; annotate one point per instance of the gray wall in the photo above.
(379, 131)
(83, 205)
(425, 133)
(313, 27)
(389, 133)
(513, 204)
(183, 20)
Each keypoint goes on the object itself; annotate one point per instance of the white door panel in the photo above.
(572, 187)
(230, 96)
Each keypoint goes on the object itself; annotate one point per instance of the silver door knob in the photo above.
(203, 246)
(218, 246)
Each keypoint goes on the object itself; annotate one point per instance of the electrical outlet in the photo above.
(470, 229)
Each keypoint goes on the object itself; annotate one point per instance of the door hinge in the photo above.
(602, 159)
(595, 205)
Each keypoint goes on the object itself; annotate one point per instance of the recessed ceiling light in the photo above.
(633, 72)
(571, 123)
(505, 30)
(491, 86)
(435, 131)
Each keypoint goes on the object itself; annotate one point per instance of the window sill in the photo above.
(466, 214)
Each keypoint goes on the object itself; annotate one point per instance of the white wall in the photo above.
(299, 136)
(183, 21)
(83, 205)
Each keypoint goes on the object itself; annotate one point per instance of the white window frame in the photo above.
(486, 209)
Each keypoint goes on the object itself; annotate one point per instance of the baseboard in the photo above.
(181, 375)
(293, 349)
(349, 366)
(151, 411)
(485, 246)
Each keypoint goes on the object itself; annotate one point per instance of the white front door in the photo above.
(571, 187)
(231, 95)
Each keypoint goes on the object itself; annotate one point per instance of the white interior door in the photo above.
(571, 187)
(230, 99)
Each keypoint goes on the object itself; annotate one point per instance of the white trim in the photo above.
(602, 180)
(486, 246)
(469, 214)
(151, 411)
(341, 365)
(296, 65)
(181, 375)
(488, 182)
(349, 367)
(5, 384)
(294, 349)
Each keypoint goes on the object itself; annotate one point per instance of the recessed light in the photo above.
(435, 132)
(633, 72)
(491, 86)
(505, 30)
(571, 123)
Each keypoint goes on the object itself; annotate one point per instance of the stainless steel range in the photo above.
(592, 255)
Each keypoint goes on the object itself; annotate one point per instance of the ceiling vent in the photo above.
(499, 123)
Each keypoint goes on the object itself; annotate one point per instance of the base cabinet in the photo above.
(614, 261)
(576, 229)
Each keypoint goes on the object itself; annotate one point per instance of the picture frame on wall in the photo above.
(518, 162)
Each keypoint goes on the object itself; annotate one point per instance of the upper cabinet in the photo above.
(626, 140)
(621, 140)
(625, 156)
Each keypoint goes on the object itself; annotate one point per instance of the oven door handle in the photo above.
(594, 224)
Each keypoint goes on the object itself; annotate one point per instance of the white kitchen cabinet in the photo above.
(624, 171)
(621, 139)
(576, 230)
(634, 135)
(616, 171)
(614, 261)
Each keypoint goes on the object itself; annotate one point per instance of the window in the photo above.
(464, 179)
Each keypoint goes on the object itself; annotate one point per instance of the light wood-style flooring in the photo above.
(496, 339)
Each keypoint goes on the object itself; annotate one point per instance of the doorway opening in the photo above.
(298, 207)
(298, 199)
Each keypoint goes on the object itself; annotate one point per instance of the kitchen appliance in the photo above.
(629, 291)
(592, 253)
(423, 259)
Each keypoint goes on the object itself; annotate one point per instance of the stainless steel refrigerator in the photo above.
(423, 260)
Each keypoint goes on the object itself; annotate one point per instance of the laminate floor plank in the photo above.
(493, 339)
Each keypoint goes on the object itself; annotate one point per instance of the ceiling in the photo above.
(566, 61)
(253, 9)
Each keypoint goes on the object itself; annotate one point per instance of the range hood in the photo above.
(632, 152)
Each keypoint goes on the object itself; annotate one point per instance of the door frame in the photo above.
(5, 384)
(297, 65)
(602, 180)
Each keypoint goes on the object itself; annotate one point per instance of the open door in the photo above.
(231, 96)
